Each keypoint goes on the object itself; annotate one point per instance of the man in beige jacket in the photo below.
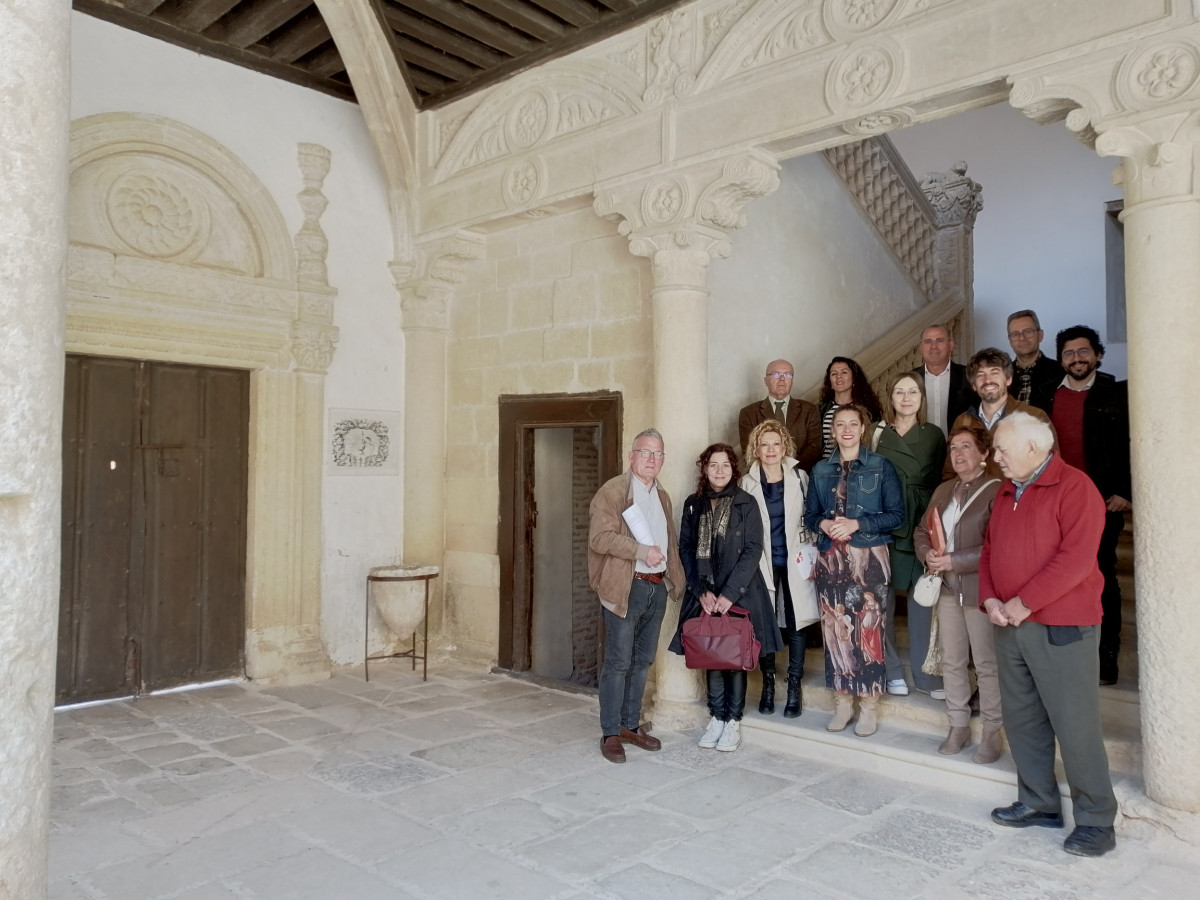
(632, 579)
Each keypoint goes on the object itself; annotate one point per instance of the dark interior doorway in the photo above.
(555, 451)
(154, 526)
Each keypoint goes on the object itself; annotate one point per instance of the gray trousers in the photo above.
(1050, 692)
(964, 633)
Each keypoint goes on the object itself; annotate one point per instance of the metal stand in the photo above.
(424, 573)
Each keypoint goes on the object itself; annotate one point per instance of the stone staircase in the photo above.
(910, 728)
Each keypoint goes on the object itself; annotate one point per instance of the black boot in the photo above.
(766, 665)
(795, 698)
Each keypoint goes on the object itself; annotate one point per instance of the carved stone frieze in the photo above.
(955, 198)
(312, 346)
(797, 31)
(880, 122)
(524, 182)
(863, 75)
(311, 244)
(671, 73)
(426, 284)
(850, 18)
(715, 25)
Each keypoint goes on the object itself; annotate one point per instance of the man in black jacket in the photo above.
(1090, 411)
(1035, 375)
(948, 391)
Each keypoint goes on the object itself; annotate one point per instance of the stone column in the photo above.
(681, 221)
(426, 286)
(956, 201)
(34, 117)
(1162, 299)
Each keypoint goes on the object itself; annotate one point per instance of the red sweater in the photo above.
(1043, 547)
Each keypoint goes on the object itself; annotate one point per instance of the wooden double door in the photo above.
(154, 526)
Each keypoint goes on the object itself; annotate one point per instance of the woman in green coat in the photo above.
(917, 449)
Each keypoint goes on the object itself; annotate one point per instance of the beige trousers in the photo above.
(966, 633)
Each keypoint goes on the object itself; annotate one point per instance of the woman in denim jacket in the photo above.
(854, 501)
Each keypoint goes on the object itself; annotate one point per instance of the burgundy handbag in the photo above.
(721, 642)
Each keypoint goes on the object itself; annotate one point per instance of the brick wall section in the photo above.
(585, 608)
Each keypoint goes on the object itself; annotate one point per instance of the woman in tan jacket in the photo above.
(964, 505)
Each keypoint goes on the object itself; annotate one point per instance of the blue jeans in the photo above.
(629, 648)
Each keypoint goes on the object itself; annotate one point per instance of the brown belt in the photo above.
(652, 577)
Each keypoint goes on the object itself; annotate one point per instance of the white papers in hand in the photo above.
(638, 526)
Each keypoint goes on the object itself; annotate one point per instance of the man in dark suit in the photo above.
(948, 391)
(800, 417)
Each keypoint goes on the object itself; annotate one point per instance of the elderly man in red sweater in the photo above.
(1040, 585)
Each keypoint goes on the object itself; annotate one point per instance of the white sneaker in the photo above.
(898, 686)
(937, 694)
(731, 737)
(712, 734)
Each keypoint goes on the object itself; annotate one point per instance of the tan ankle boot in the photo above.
(842, 714)
(867, 722)
(958, 737)
(991, 746)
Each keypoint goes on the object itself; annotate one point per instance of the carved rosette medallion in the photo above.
(154, 216)
(1157, 75)
(879, 123)
(664, 201)
(862, 76)
(529, 119)
(848, 18)
(524, 183)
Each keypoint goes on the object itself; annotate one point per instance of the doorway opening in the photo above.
(555, 452)
(154, 511)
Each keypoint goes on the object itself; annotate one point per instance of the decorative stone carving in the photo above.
(1159, 157)
(796, 32)
(880, 123)
(426, 284)
(881, 184)
(670, 68)
(311, 244)
(715, 25)
(1158, 74)
(524, 182)
(312, 346)
(955, 198)
(848, 18)
(155, 216)
(529, 119)
(863, 75)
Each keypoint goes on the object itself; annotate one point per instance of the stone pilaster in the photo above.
(1162, 299)
(426, 286)
(956, 200)
(34, 115)
(681, 221)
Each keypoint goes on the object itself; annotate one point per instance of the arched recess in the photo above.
(179, 253)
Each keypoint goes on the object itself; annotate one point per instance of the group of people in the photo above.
(1008, 481)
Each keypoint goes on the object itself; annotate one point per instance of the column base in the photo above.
(288, 654)
(678, 715)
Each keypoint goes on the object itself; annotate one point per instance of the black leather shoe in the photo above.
(1021, 816)
(1090, 840)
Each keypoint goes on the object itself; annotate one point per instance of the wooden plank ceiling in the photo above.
(446, 48)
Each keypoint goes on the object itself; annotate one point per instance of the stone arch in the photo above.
(179, 253)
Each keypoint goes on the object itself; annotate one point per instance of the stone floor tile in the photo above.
(207, 724)
(437, 728)
(458, 794)
(196, 765)
(861, 872)
(718, 796)
(1002, 880)
(640, 881)
(285, 764)
(230, 780)
(930, 837)
(301, 728)
(126, 769)
(161, 792)
(365, 743)
(309, 696)
(526, 709)
(314, 875)
(607, 844)
(589, 794)
(476, 751)
(374, 779)
(452, 868)
(507, 823)
(213, 891)
(111, 811)
(77, 851)
(360, 831)
(79, 794)
(727, 865)
(248, 745)
(415, 705)
(165, 753)
(68, 889)
(857, 792)
(575, 725)
(778, 889)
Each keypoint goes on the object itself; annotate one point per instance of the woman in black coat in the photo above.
(720, 544)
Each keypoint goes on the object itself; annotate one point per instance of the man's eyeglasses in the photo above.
(1023, 333)
(650, 454)
(786, 376)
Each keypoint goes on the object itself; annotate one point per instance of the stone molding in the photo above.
(426, 284)
(179, 253)
(681, 220)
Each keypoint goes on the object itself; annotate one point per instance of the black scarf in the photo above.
(710, 530)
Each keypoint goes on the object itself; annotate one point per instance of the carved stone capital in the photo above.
(954, 198)
(426, 284)
(1160, 156)
(312, 346)
(677, 217)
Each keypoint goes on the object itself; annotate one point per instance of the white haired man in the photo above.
(1040, 584)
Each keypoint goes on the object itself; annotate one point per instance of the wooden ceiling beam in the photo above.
(252, 22)
(404, 24)
(194, 15)
(301, 38)
(426, 83)
(141, 7)
(574, 12)
(325, 63)
(450, 67)
(521, 16)
(620, 5)
(460, 17)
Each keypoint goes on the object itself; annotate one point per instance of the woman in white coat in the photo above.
(777, 483)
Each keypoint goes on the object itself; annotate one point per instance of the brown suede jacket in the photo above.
(969, 532)
(612, 550)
